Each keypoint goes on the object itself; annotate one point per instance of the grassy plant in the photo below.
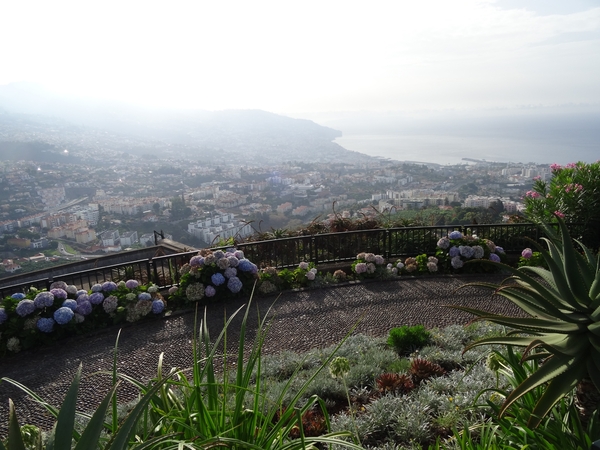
(407, 339)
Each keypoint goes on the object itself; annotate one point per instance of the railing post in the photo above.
(313, 250)
(387, 244)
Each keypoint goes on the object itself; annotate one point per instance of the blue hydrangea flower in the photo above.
(230, 272)
(80, 292)
(109, 286)
(3, 316)
(131, 284)
(84, 308)
(96, 298)
(43, 299)
(494, 257)
(455, 235)
(158, 306)
(478, 251)
(63, 315)
(96, 287)
(234, 285)
(219, 254)
(466, 251)
(217, 279)
(454, 251)
(83, 298)
(70, 303)
(245, 265)
(18, 296)
(210, 291)
(456, 262)
(499, 249)
(25, 307)
(59, 293)
(144, 296)
(45, 324)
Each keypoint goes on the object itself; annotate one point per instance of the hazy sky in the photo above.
(300, 56)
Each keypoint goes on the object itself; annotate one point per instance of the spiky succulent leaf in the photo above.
(563, 327)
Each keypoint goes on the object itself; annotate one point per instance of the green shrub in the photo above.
(407, 339)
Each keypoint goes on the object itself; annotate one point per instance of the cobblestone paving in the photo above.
(299, 321)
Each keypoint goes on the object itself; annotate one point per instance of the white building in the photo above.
(219, 227)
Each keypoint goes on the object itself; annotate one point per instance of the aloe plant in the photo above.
(562, 331)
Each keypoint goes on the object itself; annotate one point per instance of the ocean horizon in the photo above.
(450, 150)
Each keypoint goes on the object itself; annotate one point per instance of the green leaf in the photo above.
(90, 436)
(553, 367)
(65, 423)
(558, 388)
(15, 440)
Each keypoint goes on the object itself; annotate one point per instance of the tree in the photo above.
(573, 193)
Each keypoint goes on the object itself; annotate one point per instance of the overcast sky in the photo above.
(302, 56)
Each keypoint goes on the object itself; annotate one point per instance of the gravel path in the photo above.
(300, 320)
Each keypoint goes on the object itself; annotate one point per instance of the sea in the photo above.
(452, 150)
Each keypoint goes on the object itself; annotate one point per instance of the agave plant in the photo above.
(563, 330)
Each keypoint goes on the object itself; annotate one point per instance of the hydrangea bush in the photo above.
(454, 250)
(213, 276)
(29, 320)
(369, 265)
(273, 280)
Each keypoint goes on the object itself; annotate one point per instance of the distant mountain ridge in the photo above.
(252, 134)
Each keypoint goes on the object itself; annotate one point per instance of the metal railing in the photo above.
(321, 249)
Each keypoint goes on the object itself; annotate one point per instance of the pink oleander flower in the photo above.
(555, 167)
(571, 166)
(537, 178)
(532, 194)
(559, 214)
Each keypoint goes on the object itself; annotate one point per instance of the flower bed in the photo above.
(32, 319)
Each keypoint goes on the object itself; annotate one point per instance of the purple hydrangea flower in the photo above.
(25, 307)
(96, 287)
(3, 316)
(18, 296)
(158, 306)
(499, 249)
(494, 257)
(197, 261)
(59, 293)
(234, 285)
(219, 254)
(239, 254)
(478, 252)
(70, 303)
(59, 285)
(466, 251)
(71, 289)
(455, 235)
(379, 260)
(109, 286)
(230, 272)
(456, 262)
(210, 291)
(63, 315)
(96, 298)
(110, 304)
(80, 292)
(45, 324)
(43, 299)
(454, 251)
(217, 279)
(233, 261)
(527, 253)
(131, 284)
(83, 298)
(84, 307)
(144, 296)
